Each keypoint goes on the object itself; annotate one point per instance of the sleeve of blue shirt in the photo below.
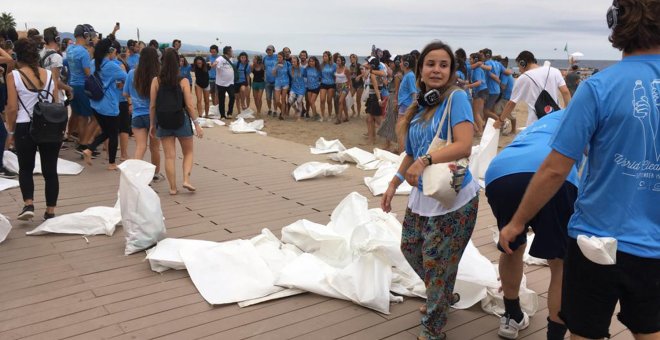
(409, 151)
(128, 84)
(85, 60)
(578, 124)
(461, 109)
(118, 74)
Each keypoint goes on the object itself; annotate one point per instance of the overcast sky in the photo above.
(345, 26)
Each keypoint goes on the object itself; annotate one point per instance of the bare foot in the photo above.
(189, 187)
(173, 192)
(422, 309)
(112, 166)
(87, 156)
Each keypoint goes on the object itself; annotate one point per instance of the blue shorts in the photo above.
(270, 87)
(141, 122)
(492, 100)
(281, 87)
(184, 131)
(80, 103)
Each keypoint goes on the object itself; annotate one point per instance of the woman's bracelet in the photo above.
(400, 177)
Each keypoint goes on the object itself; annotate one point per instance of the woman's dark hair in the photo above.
(460, 61)
(445, 90)
(169, 71)
(185, 61)
(638, 25)
(145, 71)
(194, 64)
(101, 49)
(527, 56)
(247, 60)
(317, 65)
(153, 43)
(330, 61)
(27, 53)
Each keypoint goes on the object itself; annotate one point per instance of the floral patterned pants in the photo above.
(433, 246)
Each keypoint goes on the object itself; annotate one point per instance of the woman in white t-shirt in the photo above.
(23, 87)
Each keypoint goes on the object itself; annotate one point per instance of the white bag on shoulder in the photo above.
(437, 178)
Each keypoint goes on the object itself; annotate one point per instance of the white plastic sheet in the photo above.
(486, 151)
(246, 114)
(241, 126)
(165, 255)
(381, 180)
(354, 155)
(323, 146)
(229, 272)
(5, 227)
(91, 221)
(64, 167)
(317, 169)
(8, 184)
(141, 214)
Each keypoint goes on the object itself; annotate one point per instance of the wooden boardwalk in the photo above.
(58, 286)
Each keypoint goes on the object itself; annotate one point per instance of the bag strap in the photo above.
(447, 112)
(39, 91)
(546, 78)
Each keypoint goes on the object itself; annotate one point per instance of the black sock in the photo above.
(512, 309)
(556, 330)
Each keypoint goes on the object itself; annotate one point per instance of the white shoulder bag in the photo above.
(438, 180)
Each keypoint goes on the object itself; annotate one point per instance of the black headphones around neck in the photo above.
(612, 15)
(429, 99)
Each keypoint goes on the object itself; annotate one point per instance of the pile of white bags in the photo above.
(5, 227)
(381, 180)
(141, 215)
(317, 169)
(241, 126)
(323, 146)
(354, 155)
(64, 167)
(91, 221)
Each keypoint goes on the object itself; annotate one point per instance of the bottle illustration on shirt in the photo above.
(649, 116)
(640, 101)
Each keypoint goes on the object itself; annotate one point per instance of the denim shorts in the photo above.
(270, 87)
(281, 87)
(184, 131)
(141, 122)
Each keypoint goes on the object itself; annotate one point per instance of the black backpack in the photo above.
(47, 120)
(544, 104)
(169, 106)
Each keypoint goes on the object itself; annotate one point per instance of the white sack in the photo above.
(228, 272)
(387, 156)
(206, 123)
(317, 169)
(6, 183)
(141, 214)
(272, 251)
(379, 183)
(218, 122)
(91, 221)
(5, 227)
(246, 114)
(354, 155)
(317, 239)
(279, 295)
(214, 110)
(165, 255)
(323, 146)
(366, 282)
(241, 126)
(600, 250)
(64, 167)
(350, 100)
(309, 273)
(475, 274)
(486, 152)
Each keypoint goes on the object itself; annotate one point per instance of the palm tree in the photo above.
(7, 21)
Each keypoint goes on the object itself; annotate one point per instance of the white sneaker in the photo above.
(509, 328)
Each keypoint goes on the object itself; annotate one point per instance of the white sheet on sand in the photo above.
(91, 221)
(354, 155)
(355, 257)
(208, 123)
(381, 180)
(165, 255)
(323, 146)
(241, 126)
(6, 183)
(64, 167)
(483, 154)
(5, 227)
(141, 214)
(246, 114)
(317, 169)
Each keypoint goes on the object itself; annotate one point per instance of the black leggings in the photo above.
(124, 118)
(221, 97)
(26, 149)
(110, 131)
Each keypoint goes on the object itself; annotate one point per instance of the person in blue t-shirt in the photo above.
(210, 60)
(185, 69)
(281, 74)
(407, 89)
(479, 91)
(270, 62)
(434, 235)
(312, 75)
(297, 87)
(507, 178)
(615, 117)
(133, 58)
(137, 89)
(243, 85)
(106, 110)
(327, 94)
(78, 61)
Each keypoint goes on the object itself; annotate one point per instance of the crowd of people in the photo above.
(568, 175)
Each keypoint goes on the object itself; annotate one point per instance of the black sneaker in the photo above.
(229, 115)
(48, 216)
(79, 149)
(4, 173)
(270, 113)
(95, 154)
(27, 213)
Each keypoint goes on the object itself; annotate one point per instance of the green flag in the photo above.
(566, 47)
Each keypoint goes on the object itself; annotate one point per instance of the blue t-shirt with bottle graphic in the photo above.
(298, 81)
(270, 62)
(328, 74)
(78, 60)
(140, 104)
(312, 78)
(616, 115)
